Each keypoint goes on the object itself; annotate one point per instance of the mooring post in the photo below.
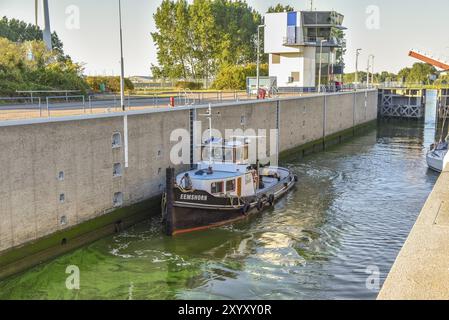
(170, 184)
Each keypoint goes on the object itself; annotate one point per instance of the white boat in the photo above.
(436, 154)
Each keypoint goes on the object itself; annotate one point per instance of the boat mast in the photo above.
(210, 133)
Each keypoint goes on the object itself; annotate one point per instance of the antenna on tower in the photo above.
(311, 5)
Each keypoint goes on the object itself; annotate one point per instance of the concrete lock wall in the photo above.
(58, 173)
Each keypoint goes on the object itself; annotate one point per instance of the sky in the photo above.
(385, 28)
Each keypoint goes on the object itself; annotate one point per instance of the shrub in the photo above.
(189, 85)
(111, 84)
(234, 76)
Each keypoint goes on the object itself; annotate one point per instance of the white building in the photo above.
(296, 40)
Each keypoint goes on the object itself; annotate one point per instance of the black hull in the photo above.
(199, 210)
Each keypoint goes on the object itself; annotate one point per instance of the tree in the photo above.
(31, 66)
(204, 38)
(350, 77)
(418, 73)
(280, 8)
(171, 40)
(385, 76)
(195, 40)
(339, 36)
(20, 31)
(112, 84)
(421, 73)
(237, 24)
(234, 76)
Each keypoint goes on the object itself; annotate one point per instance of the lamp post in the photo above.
(258, 59)
(47, 30)
(371, 56)
(321, 60)
(122, 67)
(357, 53)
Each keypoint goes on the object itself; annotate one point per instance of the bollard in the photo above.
(172, 102)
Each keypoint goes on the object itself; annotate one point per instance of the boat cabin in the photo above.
(224, 170)
(217, 151)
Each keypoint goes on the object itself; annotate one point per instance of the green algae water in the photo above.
(349, 216)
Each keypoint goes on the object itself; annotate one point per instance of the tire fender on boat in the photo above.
(295, 178)
(245, 208)
(271, 200)
(259, 205)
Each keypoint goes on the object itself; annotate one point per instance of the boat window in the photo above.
(246, 152)
(230, 185)
(205, 153)
(238, 154)
(228, 155)
(216, 187)
(248, 178)
(217, 154)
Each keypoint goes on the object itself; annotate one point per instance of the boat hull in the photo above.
(435, 160)
(198, 210)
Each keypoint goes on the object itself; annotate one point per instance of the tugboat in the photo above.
(224, 188)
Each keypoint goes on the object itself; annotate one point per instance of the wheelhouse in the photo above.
(231, 152)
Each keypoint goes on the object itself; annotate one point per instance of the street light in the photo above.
(371, 56)
(122, 67)
(258, 59)
(319, 71)
(357, 53)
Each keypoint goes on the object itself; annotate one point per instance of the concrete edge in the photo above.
(10, 123)
(419, 271)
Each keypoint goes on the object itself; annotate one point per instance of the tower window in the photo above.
(275, 58)
(295, 76)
